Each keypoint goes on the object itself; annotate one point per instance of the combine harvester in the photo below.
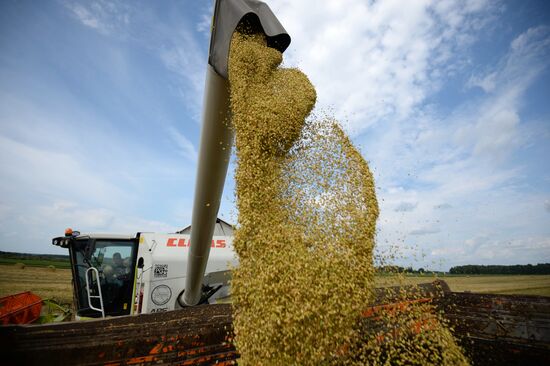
(139, 292)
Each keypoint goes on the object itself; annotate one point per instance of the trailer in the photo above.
(493, 330)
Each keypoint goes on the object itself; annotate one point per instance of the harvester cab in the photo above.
(117, 275)
(104, 268)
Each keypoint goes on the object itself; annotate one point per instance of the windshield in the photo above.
(115, 262)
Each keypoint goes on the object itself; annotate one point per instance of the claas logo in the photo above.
(176, 242)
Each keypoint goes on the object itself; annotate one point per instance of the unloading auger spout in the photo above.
(217, 135)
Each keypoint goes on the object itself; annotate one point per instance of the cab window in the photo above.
(115, 262)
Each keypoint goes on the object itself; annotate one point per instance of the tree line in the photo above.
(541, 268)
(473, 269)
(50, 257)
(398, 269)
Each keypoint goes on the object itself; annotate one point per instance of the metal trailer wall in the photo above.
(499, 329)
(494, 330)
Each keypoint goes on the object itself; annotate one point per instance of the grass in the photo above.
(56, 284)
(37, 262)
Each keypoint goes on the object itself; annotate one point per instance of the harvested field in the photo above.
(489, 284)
(46, 282)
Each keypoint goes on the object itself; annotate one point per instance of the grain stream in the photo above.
(306, 227)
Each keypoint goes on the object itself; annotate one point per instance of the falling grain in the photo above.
(306, 228)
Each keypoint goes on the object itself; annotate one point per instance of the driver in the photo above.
(117, 283)
(120, 267)
(116, 273)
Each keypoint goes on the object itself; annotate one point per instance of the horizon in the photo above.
(405, 269)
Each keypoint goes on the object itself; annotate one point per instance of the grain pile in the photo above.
(406, 329)
(307, 220)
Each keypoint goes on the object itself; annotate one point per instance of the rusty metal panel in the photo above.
(500, 329)
(493, 329)
(193, 336)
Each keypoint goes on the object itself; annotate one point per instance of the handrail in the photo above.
(90, 296)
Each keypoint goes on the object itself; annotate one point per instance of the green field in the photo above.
(37, 262)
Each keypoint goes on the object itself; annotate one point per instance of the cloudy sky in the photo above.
(448, 100)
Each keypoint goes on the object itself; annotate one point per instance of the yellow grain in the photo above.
(306, 230)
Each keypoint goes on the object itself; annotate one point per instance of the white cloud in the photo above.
(494, 132)
(405, 207)
(177, 48)
(185, 147)
(93, 158)
(204, 25)
(70, 212)
(464, 159)
(57, 173)
(487, 82)
(105, 16)
(96, 219)
(41, 171)
(183, 56)
(86, 17)
(424, 231)
(482, 250)
(43, 192)
(205, 20)
(378, 61)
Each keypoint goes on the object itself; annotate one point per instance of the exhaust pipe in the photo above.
(217, 134)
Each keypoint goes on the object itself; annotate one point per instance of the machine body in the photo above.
(116, 275)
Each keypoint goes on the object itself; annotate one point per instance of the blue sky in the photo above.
(449, 101)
